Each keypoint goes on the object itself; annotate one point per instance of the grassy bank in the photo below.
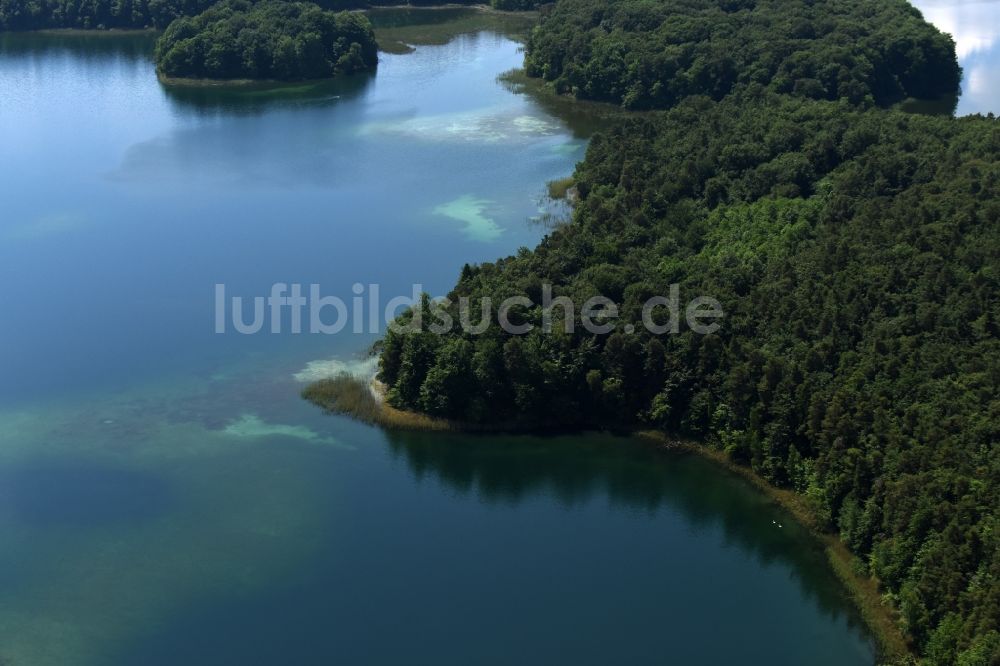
(361, 399)
(559, 189)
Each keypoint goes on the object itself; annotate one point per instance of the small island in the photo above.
(266, 41)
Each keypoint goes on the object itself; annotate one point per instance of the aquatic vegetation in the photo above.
(480, 126)
(470, 211)
(559, 189)
(252, 426)
(113, 513)
(361, 399)
(334, 367)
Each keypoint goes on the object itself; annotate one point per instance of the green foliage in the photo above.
(856, 253)
(857, 256)
(130, 14)
(269, 40)
(95, 14)
(345, 394)
(653, 53)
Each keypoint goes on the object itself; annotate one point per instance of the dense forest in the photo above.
(125, 14)
(274, 39)
(855, 252)
(652, 53)
(95, 14)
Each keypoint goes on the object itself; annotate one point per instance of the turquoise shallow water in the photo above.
(166, 497)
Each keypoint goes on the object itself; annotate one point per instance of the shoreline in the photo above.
(880, 619)
(187, 82)
(890, 643)
(90, 32)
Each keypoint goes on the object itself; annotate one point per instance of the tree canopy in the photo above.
(855, 251)
(129, 14)
(856, 254)
(268, 40)
(653, 53)
(95, 14)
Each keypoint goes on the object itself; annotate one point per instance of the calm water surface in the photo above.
(975, 27)
(166, 497)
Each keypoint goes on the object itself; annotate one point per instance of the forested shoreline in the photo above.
(158, 14)
(274, 39)
(643, 54)
(854, 249)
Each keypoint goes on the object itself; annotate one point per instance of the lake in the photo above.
(975, 27)
(165, 495)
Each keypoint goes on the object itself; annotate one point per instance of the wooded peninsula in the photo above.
(856, 250)
(139, 14)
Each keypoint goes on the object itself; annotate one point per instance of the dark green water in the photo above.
(166, 497)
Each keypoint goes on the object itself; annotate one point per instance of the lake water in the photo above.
(167, 498)
(975, 27)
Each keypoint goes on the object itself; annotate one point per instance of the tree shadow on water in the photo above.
(632, 475)
(253, 99)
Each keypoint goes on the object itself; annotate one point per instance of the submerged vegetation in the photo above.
(561, 187)
(356, 397)
(279, 40)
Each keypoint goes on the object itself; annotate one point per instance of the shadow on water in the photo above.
(398, 29)
(583, 118)
(342, 611)
(574, 470)
(82, 46)
(404, 17)
(943, 106)
(248, 100)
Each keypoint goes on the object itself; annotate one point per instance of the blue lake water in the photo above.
(166, 497)
(975, 27)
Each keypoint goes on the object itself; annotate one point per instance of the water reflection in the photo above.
(575, 470)
(975, 27)
(245, 100)
(85, 47)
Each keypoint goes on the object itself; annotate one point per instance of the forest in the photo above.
(279, 40)
(646, 54)
(95, 14)
(855, 251)
(856, 254)
(135, 14)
